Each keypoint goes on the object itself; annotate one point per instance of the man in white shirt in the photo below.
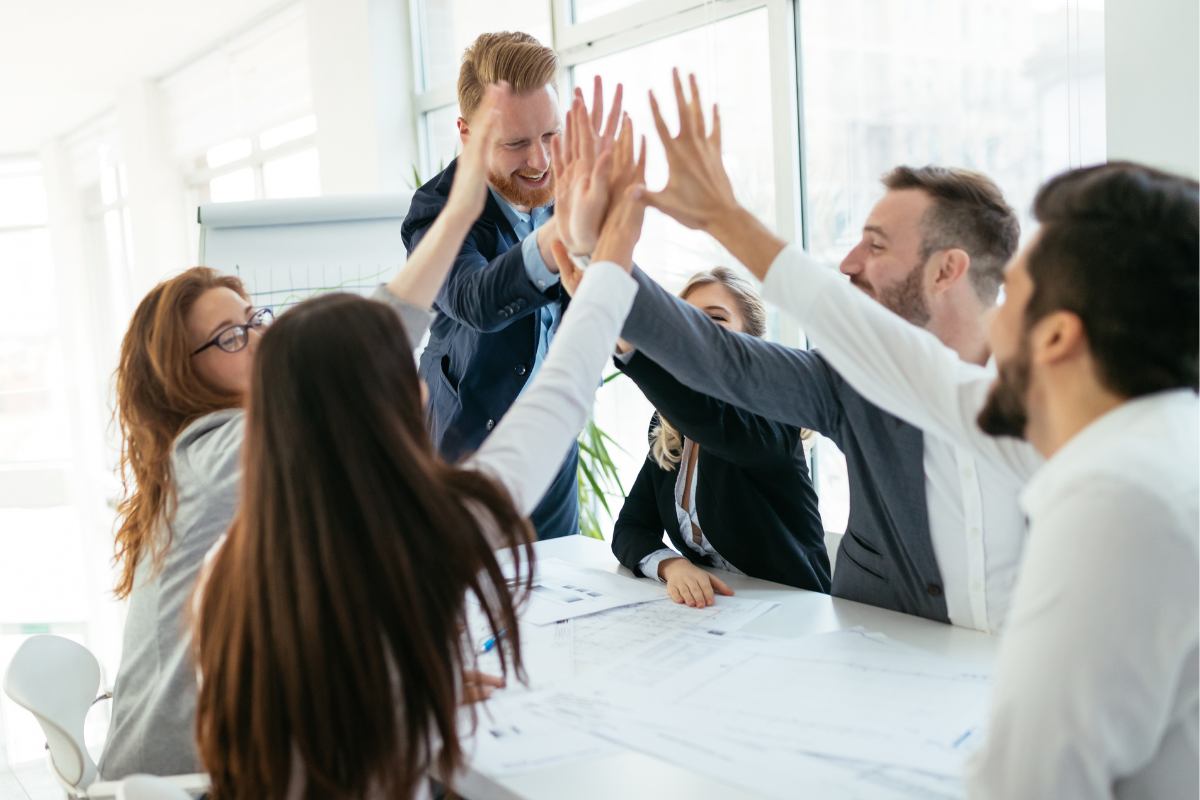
(1096, 690)
(931, 532)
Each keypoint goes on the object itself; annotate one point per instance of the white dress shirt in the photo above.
(686, 518)
(977, 530)
(1095, 693)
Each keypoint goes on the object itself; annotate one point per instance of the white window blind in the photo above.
(255, 80)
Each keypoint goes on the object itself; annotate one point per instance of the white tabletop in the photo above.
(636, 775)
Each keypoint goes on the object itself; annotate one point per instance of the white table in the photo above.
(630, 774)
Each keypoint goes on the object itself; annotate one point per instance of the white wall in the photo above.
(1152, 71)
(360, 63)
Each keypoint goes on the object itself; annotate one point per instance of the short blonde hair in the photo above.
(518, 58)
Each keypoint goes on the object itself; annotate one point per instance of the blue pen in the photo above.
(490, 644)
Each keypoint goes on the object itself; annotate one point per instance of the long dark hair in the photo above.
(159, 393)
(330, 627)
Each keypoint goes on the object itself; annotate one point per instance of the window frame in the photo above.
(647, 21)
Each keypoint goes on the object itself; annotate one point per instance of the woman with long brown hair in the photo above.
(329, 631)
(182, 381)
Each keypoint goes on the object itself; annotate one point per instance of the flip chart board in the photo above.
(286, 251)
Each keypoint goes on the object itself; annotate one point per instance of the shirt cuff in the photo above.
(535, 267)
(625, 358)
(648, 566)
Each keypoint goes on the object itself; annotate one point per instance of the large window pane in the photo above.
(450, 26)
(1014, 90)
(730, 59)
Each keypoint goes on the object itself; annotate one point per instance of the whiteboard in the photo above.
(286, 251)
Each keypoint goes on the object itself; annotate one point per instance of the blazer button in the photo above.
(491, 423)
(519, 369)
(504, 313)
(933, 589)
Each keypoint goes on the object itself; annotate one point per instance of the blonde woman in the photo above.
(731, 489)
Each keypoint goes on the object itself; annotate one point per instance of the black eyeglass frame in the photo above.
(256, 322)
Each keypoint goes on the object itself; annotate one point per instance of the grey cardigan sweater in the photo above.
(154, 699)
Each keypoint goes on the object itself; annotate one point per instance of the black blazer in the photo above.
(753, 493)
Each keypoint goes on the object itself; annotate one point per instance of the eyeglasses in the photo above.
(236, 337)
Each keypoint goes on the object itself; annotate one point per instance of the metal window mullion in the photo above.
(589, 41)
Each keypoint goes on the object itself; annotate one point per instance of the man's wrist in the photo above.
(747, 238)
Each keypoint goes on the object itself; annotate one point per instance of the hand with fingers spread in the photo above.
(583, 163)
(689, 585)
(623, 223)
(698, 192)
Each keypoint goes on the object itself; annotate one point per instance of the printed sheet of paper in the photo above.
(847, 709)
(512, 737)
(607, 637)
(566, 591)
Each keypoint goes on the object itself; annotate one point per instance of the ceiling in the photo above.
(63, 61)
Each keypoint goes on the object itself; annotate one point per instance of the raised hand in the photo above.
(698, 191)
(623, 225)
(468, 194)
(583, 163)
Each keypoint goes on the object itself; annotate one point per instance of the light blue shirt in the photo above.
(535, 267)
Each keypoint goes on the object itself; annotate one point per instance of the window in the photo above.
(742, 55)
(280, 161)
(1014, 90)
(43, 585)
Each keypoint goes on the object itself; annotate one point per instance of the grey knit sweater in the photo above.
(154, 699)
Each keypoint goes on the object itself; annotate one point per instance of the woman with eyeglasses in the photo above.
(182, 380)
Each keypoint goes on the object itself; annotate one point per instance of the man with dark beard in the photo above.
(931, 532)
(502, 303)
(1095, 408)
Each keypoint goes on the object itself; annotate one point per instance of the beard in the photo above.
(905, 298)
(518, 193)
(1004, 413)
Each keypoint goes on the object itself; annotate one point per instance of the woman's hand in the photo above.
(468, 194)
(477, 686)
(583, 162)
(687, 583)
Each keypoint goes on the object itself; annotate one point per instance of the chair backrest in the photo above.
(57, 680)
(149, 787)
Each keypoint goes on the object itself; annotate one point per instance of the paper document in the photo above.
(512, 737)
(846, 709)
(609, 636)
(565, 591)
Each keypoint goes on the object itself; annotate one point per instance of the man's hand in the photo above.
(623, 224)
(583, 163)
(698, 192)
(688, 584)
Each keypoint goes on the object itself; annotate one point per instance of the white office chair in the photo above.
(149, 787)
(56, 680)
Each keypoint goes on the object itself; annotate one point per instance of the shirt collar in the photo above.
(1096, 445)
(516, 218)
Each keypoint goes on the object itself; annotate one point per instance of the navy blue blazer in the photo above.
(483, 342)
